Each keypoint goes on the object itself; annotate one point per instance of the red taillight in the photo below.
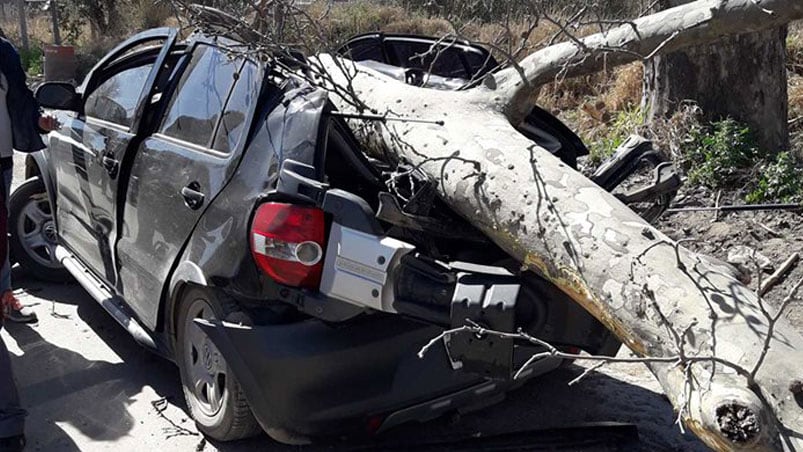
(374, 423)
(287, 243)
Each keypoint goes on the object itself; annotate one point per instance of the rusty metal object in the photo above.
(59, 63)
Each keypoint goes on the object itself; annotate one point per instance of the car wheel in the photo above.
(33, 232)
(213, 395)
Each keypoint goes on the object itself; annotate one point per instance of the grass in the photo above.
(624, 123)
(342, 20)
(794, 49)
(795, 93)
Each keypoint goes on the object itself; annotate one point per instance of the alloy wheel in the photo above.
(206, 367)
(37, 231)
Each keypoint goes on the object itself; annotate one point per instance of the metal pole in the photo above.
(54, 17)
(23, 24)
(741, 208)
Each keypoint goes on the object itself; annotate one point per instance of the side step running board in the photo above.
(103, 295)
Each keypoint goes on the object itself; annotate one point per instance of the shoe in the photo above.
(12, 443)
(16, 312)
(22, 315)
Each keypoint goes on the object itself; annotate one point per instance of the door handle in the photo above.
(193, 198)
(111, 165)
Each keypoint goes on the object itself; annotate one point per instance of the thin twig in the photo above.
(553, 352)
(587, 371)
(767, 228)
(765, 10)
(777, 277)
(160, 406)
(716, 207)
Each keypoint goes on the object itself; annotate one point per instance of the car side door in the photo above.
(179, 169)
(87, 158)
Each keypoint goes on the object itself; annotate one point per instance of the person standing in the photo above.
(12, 415)
(21, 123)
(14, 93)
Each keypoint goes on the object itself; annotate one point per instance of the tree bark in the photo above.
(23, 22)
(54, 22)
(660, 299)
(742, 77)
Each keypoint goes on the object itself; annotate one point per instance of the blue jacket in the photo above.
(22, 106)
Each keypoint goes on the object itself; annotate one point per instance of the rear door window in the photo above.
(116, 99)
(442, 60)
(366, 49)
(197, 103)
(246, 90)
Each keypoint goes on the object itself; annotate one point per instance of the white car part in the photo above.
(358, 267)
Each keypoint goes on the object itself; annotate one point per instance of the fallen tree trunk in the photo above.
(732, 386)
(618, 267)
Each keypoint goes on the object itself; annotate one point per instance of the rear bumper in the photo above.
(315, 379)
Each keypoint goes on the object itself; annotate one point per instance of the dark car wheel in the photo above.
(213, 395)
(33, 232)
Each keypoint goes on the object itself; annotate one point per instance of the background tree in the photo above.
(741, 76)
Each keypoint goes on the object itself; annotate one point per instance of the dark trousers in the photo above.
(12, 416)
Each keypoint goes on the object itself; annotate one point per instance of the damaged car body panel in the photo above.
(186, 164)
(225, 152)
(322, 383)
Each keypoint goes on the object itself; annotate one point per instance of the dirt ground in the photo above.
(774, 234)
(88, 386)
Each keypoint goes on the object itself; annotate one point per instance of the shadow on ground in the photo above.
(81, 387)
(81, 384)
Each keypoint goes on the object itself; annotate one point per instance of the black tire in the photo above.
(232, 418)
(38, 261)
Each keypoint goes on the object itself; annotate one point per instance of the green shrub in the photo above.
(780, 179)
(724, 155)
(720, 155)
(32, 60)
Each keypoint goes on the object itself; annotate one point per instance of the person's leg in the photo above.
(17, 312)
(12, 416)
(5, 273)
